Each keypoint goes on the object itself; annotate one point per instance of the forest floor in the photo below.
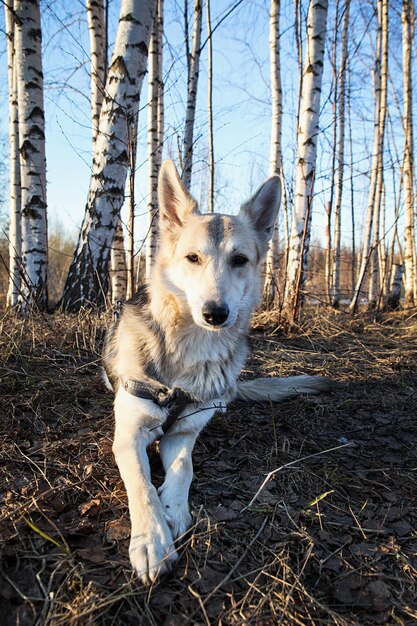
(331, 539)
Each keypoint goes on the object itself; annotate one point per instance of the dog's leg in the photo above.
(176, 452)
(176, 448)
(151, 547)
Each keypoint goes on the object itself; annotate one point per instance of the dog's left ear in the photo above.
(262, 208)
(175, 203)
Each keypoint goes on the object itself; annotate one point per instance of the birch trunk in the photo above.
(118, 268)
(155, 134)
(352, 189)
(307, 149)
(335, 294)
(330, 203)
(97, 30)
(380, 82)
(194, 68)
(88, 275)
(96, 20)
(28, 57)
(275, 162)
(15, 232)
(382, 249)
(408, 171)
(132, 149)
(373, 253)
(210, 107)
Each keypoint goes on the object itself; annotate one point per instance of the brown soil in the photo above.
(330, 539)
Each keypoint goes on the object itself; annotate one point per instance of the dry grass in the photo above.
(331, 539)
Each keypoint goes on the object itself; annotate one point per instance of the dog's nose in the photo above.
(214, 314)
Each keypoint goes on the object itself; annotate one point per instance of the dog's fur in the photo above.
(187, 328)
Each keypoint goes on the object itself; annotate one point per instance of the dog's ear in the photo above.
(262, 208)
(175, 203)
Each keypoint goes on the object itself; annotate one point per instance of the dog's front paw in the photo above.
(152, 553)
(176, 511)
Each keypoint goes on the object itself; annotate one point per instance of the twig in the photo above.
(278, 469)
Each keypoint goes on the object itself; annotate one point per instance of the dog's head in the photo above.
(212, 261)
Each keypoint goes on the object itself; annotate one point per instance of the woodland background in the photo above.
(239, 117)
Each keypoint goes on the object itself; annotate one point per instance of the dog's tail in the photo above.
(277, 389)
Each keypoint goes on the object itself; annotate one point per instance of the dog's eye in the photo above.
(193, 258)
(239, 260)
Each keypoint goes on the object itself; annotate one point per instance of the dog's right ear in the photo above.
(175, 203)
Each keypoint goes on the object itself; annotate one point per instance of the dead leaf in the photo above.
(363, 549)
(94, 554)
(402, 528)
(118, 529)
(380, 595)
(92, 507)
(88, 470)
(222, 514)
(333, 564)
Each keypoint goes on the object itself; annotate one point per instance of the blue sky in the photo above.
(241, 107)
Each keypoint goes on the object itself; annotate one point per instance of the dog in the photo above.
(174, 355)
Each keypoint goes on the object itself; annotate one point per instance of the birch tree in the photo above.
(380, 89)
(87, 279)
(377, 252)
(155, 134)
(15, 233)
(210, 106)
(407, 18)
(193, 64)
(28, 58)
(330, 202)
(340, 158)
(306, 149)
(98, 50)
(96, 20)
(275, 162)
(118, 268)
(373, 253)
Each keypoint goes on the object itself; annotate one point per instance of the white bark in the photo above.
(194, 67)
(118, 269)
(380, 86)
(275, 161)
(330, 203)
(409, 197)
(97, 31)
(15, 232)
(379, 210)
(28, 56)
(88, 275)
(382, 247)
(132, 150)
(210, 107)
(373, 253)
(307, 148)
(155, 134)
(340, 158)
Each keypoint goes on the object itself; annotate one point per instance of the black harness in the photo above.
(174, 400)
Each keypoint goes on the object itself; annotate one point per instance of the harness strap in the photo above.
(175, 400)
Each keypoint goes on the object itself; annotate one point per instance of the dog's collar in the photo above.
(174, 400)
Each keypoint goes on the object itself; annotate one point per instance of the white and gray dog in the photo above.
(174, 355)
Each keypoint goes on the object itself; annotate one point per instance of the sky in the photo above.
(241, 107)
